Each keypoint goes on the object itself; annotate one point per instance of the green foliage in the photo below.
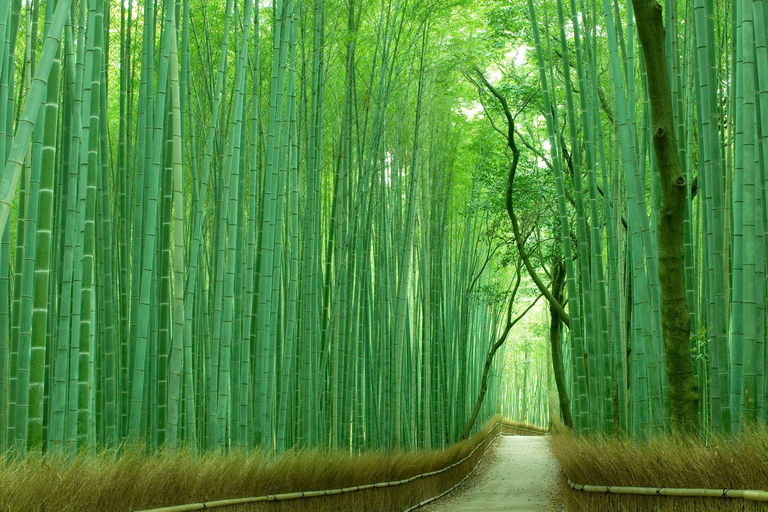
(267, 233)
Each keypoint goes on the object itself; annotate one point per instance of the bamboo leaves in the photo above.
(264, 287)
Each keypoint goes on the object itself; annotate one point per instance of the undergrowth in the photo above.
(131, 479)
(712, 461)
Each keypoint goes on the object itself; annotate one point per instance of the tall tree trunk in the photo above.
(558, 283)
(675, 316)
(495, 347)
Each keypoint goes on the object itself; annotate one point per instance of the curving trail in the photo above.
(519, 474)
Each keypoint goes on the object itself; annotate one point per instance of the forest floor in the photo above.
(519, 473)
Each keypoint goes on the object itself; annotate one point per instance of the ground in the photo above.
(517, 474)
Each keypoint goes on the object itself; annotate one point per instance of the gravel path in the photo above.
(518, 474)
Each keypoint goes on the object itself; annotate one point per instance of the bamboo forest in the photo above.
(375, 224)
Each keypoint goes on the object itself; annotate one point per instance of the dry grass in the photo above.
(714, 462)
(106, 482)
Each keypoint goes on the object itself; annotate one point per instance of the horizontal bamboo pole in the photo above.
(752, 495)
(330, 492)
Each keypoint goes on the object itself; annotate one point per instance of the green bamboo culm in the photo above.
(258, 231)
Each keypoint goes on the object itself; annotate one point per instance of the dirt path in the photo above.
(519, 474)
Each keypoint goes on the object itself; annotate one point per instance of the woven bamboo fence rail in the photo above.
(330, 492)
(751, 495)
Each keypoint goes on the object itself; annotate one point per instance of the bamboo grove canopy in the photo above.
(210, 237)
(229, 224)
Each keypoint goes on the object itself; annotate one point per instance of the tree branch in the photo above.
(492, 352)
(510, 209)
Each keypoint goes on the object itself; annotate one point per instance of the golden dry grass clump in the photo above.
(131, 479)
(712, 462)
